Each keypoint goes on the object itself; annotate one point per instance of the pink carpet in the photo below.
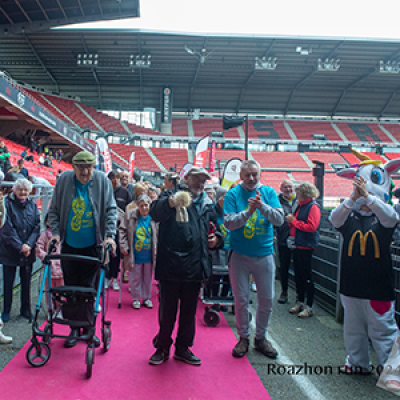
(124, 372)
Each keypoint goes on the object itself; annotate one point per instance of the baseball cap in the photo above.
(198, 171)
(84, 157)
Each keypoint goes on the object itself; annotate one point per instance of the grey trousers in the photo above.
(140, 280)
(361, 322)
(263, 271)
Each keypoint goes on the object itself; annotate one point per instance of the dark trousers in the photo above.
(114, 262)
(217, 280)
(302, 259)
(80, 273)
(172, 293)
(285, 256)
(25, 273)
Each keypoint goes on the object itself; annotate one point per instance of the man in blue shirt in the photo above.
(250, 212)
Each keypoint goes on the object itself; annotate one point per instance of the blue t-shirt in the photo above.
(226, 232)
(142, 244)
(81, 227)
(256, 237)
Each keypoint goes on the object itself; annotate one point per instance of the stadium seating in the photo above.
(273, 178)
(180, 127)
(266, 129)
(352, 159)
(362, 132)
(142, 158)
(205, 126)
(392, 156)
(394, 129)
(304, 130)
(279, 159)
(171, 157)
(327, 158)
(225, 155)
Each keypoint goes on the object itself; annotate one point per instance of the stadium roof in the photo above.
(24, 16)
(223, 78)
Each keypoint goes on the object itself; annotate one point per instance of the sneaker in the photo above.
(147, 303)
(393, 385)
(159, 357)
(241, 348)
(5, 339)
(107, 283)
(297, 308)
(354, 370)
(136, 304)
(186, 356)
(283, 298)
(264, 346)
(115, 285)
(307, 312)
(253, 287)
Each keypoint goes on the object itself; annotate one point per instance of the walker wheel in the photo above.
(106, 339)
(48, 331)
(89, 361)
(211, 317)
(38, 354)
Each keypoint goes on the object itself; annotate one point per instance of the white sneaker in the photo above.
(5, 339)
(107, 283)
(147, 303)
(136, 304)
(253, 287)
(115, 285)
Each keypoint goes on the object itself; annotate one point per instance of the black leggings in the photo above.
(302, 259)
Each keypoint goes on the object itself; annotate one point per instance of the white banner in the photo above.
(201, 153)
(103, 156)
(231, 172)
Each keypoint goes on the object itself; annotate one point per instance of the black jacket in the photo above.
(282, 232)
(22, 226)
(182, 253)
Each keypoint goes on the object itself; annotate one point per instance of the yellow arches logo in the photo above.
(363, 243)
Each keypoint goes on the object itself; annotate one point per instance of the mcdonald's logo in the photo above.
(363, 243)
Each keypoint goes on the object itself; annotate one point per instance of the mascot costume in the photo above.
(367, 222)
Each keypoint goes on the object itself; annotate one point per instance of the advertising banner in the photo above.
(201, 153)
(231, 173)
(212, 157)
(166, 106)
(103, 156)
(131, 164)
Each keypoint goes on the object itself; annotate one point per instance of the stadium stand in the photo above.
(180, 127)
(171, 157)
(279, 159)
(304, 130)
(205, 126)
(394, 129)
(352, 159)
(142, 158)
(265, 129)
(360, 132)
(392, 156)
(225, 155)
(327, 158)
(273, 178)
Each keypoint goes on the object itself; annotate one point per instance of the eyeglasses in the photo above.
(81, 167)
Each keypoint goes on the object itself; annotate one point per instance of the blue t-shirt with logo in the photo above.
(143, 240)
(256, 237)
(81, 227)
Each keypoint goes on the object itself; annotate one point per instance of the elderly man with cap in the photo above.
(83, 216)
(188, 229)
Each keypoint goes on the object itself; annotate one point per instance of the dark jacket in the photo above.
(302, 238)
(22, 226)
(182, 253)
(282, 232)
(122, 197)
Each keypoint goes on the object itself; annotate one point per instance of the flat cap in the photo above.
(84, 157)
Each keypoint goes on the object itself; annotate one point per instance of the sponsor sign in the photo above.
(201, 153)
(166, 106)
(131, 164)
(231, 172)
(103, 156)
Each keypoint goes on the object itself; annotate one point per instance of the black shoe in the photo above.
(72, 340)
(186, 356)
(159, 357)
(283, 298)
(26, 314)
(96, 340)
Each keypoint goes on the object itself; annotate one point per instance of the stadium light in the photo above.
(140, 61)
(389, 67)
(328, 65)
(87, 59)
(304, 51)
(265, 63)
(202, 55)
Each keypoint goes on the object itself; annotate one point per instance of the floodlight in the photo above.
(87, 59)
(140, 61)
(389, 67)
(269, 63)
(331, 65)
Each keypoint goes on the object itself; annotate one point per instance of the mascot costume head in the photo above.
(375, 173)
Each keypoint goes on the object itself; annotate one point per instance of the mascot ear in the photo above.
(392, 166)
(347, 173)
